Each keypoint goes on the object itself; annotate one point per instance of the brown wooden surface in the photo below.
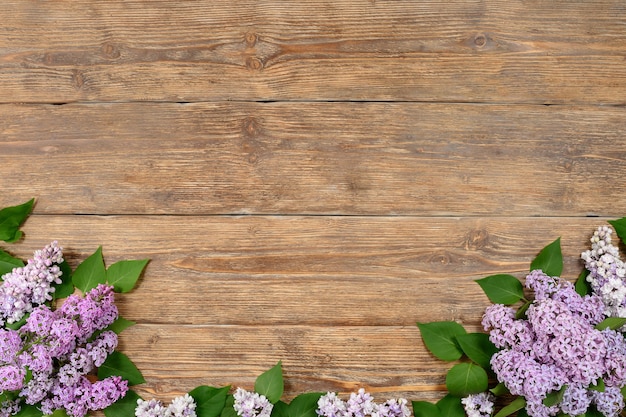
(310, 178)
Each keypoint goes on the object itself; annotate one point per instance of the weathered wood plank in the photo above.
(388, 361)
(314, 158)
(327, 271)
(530, 52)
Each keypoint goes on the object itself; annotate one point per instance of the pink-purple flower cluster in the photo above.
(360, 404)
(31, 285)
(61, 348)
(557, 346)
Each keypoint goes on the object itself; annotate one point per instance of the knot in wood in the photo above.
(480, 40)
(254, 63)
(110, 51)
(476, 239)
(251, 127)
(251, 39)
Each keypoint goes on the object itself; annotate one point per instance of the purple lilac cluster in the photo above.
(558, 346)
(183, 406)
(251, 404)
(31, 285)
(61, 348)
(607, 272)
(360, 404)
(478, 405)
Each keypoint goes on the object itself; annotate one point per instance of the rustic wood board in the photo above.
(310, 178)
(439, 51)
(316, 158)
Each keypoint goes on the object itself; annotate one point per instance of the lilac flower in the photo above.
(576, 400)
(9, 408)
(152, 408)
(102, 347)
(607, 272)
(329, 405)
(478, 405)
(251, 404)
(360, 404)
(393, 408)
(184, 406)
(11, 377)
(609, 402)
(10, 345)
(26, 287)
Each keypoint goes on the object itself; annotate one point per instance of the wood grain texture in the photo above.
(440, 51)
(310, 178)
(315, 158)
(311, 270)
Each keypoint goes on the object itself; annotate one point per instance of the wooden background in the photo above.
(310, 178)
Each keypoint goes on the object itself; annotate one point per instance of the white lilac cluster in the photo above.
(251, 404)
(478, 405)
(183, 406)
(360, 404)
(607, 272)
(26, 287)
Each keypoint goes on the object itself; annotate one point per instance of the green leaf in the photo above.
(90, 272)
(620, 228)
(281, 409)
(228, 410)
(59, 412)
(304, 405)
(8, 263)
(29, 411)
(11, 218)
(582, 286)
(119, 325)
(119, 364)
(554, 397)
(451, 406)
(521, 312)
(466, 378)
(209, 401)
(17, 324)
(66, 287)
(549, 260)
(477, 347)
(440, 338)
(123, 275)
(599, 386)
(425, 409)
(270, 383)
(517, 404)
(124, 407)
(499, 390)
(502, 288)
(612, 323)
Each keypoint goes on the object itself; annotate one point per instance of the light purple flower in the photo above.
(478, 405)
(251, 404)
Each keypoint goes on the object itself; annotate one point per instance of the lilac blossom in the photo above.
(26, 287)
(184, 406)
(61, 349)
(478, 405)
(557, 346)
(251, 404)
(360, 404)
(607, 272)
